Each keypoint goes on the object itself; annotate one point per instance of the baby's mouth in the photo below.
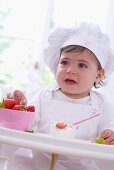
(70, 81)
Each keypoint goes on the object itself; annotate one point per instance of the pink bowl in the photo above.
(14, 119)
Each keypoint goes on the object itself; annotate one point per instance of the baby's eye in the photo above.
(82, 65)
(64, 62)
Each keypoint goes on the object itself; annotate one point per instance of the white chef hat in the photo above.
(85, 34)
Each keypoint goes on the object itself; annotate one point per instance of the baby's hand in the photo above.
(108, 135)
(18, 95)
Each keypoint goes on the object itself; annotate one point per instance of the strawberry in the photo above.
(20, 107)
(9, 103)
(61, 125)
(30, 108)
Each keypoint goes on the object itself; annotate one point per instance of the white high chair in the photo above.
(43, 142)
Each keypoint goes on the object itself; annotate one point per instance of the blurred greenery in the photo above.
(48, 76)
(6, 74)
(5, 43)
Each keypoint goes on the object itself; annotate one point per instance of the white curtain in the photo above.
(108, 90)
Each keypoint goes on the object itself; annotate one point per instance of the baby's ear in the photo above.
(100, 75)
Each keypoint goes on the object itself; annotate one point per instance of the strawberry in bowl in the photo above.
(8, 103)
(14, 115)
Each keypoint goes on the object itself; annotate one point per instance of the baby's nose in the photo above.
(71, 70)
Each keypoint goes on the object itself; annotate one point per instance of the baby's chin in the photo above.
(69, 93)
(73, 94)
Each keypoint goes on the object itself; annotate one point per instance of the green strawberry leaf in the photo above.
(22, 109)
(1, 105)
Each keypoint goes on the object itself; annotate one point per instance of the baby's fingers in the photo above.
(23, 100)
(106, 133)
(8, 95)
(18, 95)
(110, 140)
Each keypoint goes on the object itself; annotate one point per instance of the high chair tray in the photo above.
(47, 143)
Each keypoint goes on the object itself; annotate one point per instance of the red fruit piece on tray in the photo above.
(30, 108)
(20, 107)
(9, 103)
(61, 125)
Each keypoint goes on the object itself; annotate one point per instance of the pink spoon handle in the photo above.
(83, 120)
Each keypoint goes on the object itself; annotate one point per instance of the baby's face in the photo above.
(77, 72)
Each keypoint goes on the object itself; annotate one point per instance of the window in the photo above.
(22, 34)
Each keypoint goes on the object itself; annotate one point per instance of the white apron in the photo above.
(59, 111)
